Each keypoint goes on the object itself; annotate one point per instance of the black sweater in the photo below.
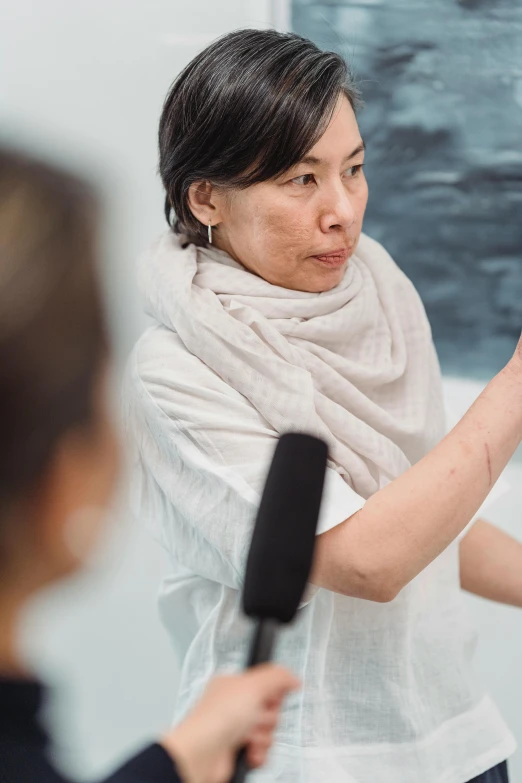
(24, 744)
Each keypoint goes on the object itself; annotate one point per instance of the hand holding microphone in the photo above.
(235, 710)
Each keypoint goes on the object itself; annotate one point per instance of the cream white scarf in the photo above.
(355, 365)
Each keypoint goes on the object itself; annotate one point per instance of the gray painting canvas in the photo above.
(442, 84)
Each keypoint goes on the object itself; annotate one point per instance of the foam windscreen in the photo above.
(283, 541)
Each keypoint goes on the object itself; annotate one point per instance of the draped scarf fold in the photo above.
(355, 365)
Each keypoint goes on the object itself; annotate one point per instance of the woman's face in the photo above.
(79, 486)
(299, 230)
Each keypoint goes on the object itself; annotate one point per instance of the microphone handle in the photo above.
(260, 652)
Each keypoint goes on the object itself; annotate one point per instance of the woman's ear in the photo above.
(205, 203)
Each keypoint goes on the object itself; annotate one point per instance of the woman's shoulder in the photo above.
(160, 363)
(176, 408)
(160, 353)
(162, 375)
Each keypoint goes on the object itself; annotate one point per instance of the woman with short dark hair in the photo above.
(58, 463)
(274, 312)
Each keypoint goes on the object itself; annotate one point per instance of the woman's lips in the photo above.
(335, 258)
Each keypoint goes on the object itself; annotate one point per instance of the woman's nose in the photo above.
(337, 210)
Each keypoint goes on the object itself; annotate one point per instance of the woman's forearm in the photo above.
(406, 525)
(491, 564)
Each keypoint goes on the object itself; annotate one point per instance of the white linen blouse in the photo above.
(389, 695)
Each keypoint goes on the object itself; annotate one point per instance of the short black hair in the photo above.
(243, 111)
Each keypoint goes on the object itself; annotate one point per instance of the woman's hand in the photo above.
(516, 361)
(234, 711)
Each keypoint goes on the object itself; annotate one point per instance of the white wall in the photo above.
(83, 81)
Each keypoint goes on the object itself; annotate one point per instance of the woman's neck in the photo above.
(10, 612)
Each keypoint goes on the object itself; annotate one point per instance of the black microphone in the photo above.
(282, 547)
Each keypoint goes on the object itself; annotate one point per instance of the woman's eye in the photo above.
(304, 179)
(354, 170)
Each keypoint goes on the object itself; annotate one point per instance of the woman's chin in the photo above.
(315, 278)
(326, 279)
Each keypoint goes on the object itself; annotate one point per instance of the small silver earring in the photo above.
(210, 233)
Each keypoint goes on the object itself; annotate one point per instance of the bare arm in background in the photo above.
(491, 564)
(406, 525)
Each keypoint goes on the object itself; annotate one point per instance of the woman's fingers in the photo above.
(267, 719)
(258, 749)
(517, 357)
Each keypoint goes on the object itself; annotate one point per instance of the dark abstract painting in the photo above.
(442, 86)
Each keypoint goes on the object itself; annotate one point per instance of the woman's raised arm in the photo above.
(406, 525)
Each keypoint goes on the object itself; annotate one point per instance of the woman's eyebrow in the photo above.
(311, 160)
(360, 148)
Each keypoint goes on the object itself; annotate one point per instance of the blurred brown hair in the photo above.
(52, 331)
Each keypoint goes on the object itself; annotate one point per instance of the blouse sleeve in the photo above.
(152, 765)
(200, 453)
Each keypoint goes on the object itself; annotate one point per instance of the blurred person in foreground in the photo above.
(58, 465)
